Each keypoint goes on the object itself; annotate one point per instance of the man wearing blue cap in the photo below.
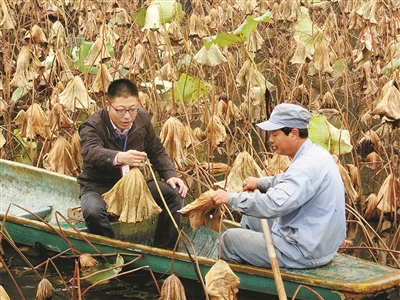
(305, 206)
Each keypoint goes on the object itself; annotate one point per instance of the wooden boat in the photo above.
(51, 195)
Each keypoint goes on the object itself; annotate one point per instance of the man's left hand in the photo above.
(174, 181)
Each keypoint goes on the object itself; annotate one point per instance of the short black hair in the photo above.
(303, 132)
(121, 88)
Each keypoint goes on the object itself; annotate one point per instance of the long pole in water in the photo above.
(274, 261)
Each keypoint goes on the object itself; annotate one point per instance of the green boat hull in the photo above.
(39, 190)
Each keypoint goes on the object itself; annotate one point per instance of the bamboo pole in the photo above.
(274, 261)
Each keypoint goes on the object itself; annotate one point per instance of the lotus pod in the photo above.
(76, 149)
(75, 95)
(388, 102)
(373, 161)
(60, 158)
(215, 132)
(36, 35)
(200, 210)
(45, 290)
(36, 122)
(221, 282)
(173, 136)
(3, 294)
(371, 211)
(348, 185)
(172, 289)
(27, 68)
(58, 119)
(130, 199)
(6, 22)
(86, 260)
(210, 57)
(321, 58)
(389, 195)
(103, 80)
(243, 167)
(98, 53)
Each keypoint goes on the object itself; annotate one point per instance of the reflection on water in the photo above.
(138, 285)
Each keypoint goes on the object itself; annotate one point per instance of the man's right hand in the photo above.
(250, 184)
(132, 158)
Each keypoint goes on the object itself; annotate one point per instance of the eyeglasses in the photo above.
(123, 111)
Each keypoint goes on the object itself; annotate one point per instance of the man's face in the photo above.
(117, 110)
(284, 144)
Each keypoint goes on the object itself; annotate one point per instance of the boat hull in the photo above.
(345, 277)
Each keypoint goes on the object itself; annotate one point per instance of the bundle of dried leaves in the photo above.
(130, 199)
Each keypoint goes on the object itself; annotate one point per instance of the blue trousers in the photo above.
(96, 219)
(247, 245)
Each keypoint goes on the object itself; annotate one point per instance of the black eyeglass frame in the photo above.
(123, 111)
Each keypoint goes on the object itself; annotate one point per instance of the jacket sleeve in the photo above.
(93, 147)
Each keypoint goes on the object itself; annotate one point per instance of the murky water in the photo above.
(138, 285)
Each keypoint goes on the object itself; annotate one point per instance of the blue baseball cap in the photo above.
(286, 115)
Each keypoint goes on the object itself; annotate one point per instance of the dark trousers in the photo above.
(95, 214)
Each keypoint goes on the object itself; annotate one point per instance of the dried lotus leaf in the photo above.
(173, 136)
(389, 195)
(243, 167)
(2, 140)
(75, 95)
(373, 160)
(210, 57)
(27, 68)
(21, 122)
(36, 122)
(103, 80)
(371, 211)
(44, 290)
(86, 260)
(172, 289)
(388, 102)
(98, 53)
(130, 199)
(200, 210)
(60, 159)
(348, 184)
(58, 119)
(76, 149)
(221, 282)
(215, 132)
(36, 34)
(6, 21)
(3, 294)
(278, 164)
(321, 58)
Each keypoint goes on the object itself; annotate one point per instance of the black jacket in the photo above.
(100, 144)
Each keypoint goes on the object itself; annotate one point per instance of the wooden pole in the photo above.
(274, 261)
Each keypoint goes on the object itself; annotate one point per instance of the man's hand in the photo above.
(174, 181)
(250, 184)
(132, 158)
(219, 197)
